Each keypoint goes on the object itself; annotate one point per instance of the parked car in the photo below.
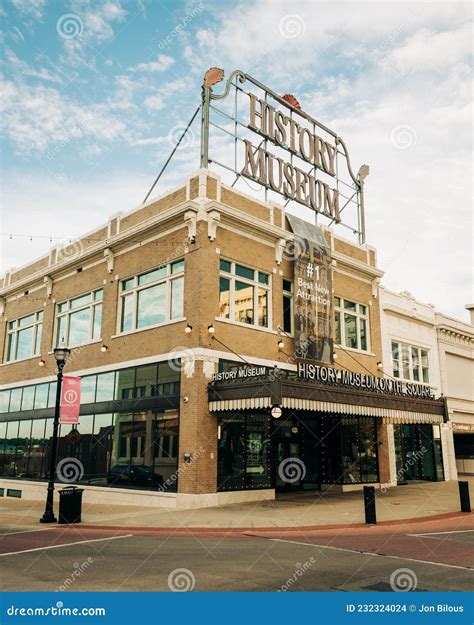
(133, 475)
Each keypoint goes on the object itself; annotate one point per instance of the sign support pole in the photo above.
(206, 98)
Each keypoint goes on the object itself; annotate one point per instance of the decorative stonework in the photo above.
(48, 281)
(109, 255)
(190, 219)
(213, 221)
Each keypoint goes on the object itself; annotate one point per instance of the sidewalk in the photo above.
(420, 499)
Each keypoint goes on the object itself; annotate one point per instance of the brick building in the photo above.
(181, 319)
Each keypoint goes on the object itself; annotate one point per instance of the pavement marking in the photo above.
(435, 533)
(370, 553)
(42, 529)
(80, 542)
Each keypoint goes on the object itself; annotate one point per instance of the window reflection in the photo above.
(243, 302)
(101, 448)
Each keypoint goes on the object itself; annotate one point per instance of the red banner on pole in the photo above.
(70, 400)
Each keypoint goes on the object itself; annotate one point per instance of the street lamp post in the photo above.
(61, 354)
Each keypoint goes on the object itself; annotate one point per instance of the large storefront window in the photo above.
(145, 451)
(136, 450)
(418, 452)
(356, 438)
(244, 452)
(295, 452)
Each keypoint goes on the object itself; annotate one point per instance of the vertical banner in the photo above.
(313, 301)
(70, 400)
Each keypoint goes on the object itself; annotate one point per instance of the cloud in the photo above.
(161, 65)
(94, 26)
(426, 50)
(154, 103)
(38, 117)
(31, 8)
(22, 68)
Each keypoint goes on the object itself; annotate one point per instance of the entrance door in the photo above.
(288, 467)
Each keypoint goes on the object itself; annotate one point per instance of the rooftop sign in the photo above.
(254, 133)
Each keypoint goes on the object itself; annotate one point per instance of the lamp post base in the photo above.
(48, 518)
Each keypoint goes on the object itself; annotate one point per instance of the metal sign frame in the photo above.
(350, 188)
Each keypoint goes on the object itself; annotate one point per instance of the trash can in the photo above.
(70, 504)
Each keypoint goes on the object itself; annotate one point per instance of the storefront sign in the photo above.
(463, 427)
(241, 372)
(329, 375)
(268, 138)
(313, 307)
(70, 400)
(280, 174)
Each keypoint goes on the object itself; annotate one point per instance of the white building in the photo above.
(411, 354)
(456, 358)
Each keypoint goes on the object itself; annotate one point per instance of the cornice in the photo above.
(114, 243)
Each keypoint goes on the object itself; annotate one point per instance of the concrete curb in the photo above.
(293, 528)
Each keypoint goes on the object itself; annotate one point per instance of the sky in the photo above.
(95, 94)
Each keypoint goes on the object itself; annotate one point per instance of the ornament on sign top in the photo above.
(213, 76)
(288, 97)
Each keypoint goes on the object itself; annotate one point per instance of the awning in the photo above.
(263, 392)
(247, 403)
(388, 415)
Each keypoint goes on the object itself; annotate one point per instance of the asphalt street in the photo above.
(433, 557)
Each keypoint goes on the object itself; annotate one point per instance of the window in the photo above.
(352, 324)
(410, 362)
(24, 337)
(79, 320)
(152, 298)
(287, 306)
(243, 456)
(244, 294)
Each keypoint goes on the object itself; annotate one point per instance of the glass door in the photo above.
(288, 466)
